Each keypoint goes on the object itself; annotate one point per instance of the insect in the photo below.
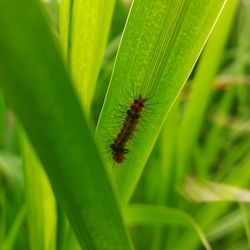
(127, 130)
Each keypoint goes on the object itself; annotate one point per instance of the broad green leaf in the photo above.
(160, 215)
(40, 92)
(84, 30)
(160, 45)
(41, 205)
(201, 88)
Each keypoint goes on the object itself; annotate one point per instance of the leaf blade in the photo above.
(160, 45)
(39, 90)
(41, 205)
(84, 31)
(160, 215)
(202, 87)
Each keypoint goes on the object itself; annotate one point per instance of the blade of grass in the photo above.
(209, 213)
(70, 241)
(242, 56)
(160, 46)
(65, 26)
(41, 204)
(88, 23)
(201, 88)
(9, 242)
(119, 19)
(66, 238)
(2, 116)
(53, 7)
(227, 224)
(2, 212)
(10, 143)
(245, 214)
(168, 172)
(62, 228)
(207, 191)
(242, 245)
(160, 215)
(214, 139)
(10, 168)
(158, 185)
(39, 90)
(232, 160)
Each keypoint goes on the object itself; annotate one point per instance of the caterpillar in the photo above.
(127, 130)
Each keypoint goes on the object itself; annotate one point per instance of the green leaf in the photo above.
(9, 242)
(65, 25)
(10, 169)
(159, 215)
(240, 176)
(2, 115)
(160, 46)
(166, 185)
(245, 214)
(84, 30)
(201, 88)
(216, 134)
(39, 90)
(226, 225)
(41, 205)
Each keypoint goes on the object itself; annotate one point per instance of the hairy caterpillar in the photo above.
(127, 130)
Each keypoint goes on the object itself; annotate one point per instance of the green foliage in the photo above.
(69, 71)
(40, 201)
(201, 87)
(163, 40)
(39, 90)
(84, 33)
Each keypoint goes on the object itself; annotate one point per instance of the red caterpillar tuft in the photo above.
(127, 130)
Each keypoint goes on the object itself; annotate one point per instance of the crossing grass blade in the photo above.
(226, 224)
(209, 213)
(160, 215)
(40, 92)
(160, 45)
